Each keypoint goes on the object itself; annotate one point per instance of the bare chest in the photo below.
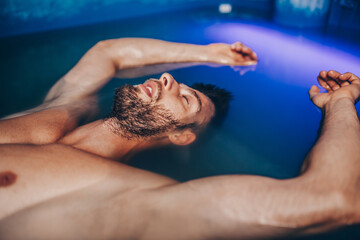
(32, 174)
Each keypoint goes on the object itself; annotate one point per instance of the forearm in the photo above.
(337, 151)
(334, 162)
(136, 52)
(326, 195)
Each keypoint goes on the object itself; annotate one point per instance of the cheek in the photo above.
(177, 113)
(174, 108)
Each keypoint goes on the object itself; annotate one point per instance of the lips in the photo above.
(149, 88)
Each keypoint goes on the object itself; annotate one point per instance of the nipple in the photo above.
(7, 178)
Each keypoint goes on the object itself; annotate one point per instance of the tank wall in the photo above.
(19, 16)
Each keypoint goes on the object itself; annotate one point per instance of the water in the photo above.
(271, 124)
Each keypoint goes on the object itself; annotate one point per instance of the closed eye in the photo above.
(187, 100)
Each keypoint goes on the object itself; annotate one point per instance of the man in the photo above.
(58, 182)
(164, 101)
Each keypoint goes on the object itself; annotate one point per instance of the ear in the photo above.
(182, 138)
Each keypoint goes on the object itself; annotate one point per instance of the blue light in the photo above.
(225, 8)
(281, 53)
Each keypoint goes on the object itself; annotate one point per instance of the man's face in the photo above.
(159, 106)
(185, 104)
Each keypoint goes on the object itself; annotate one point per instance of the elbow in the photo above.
(106, 51)
(108, 45)
(333, 209)
(319, 209)
(101, 45)
(346, 207)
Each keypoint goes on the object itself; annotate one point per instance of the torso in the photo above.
(56, 190)
(36, 178)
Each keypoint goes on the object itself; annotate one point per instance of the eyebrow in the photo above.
(199, 101)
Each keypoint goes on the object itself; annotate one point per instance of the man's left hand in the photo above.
(236, 54)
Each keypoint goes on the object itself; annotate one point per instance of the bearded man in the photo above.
(58, 178)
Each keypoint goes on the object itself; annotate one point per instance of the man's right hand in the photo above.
(338, 85)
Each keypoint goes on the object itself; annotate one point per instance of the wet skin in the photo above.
(67, 186)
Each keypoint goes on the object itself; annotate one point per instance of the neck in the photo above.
(97, 138)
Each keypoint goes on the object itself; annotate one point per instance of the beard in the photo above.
(132, 117)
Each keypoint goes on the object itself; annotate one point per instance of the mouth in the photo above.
(150, 88)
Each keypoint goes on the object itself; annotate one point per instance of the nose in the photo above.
(168, 81)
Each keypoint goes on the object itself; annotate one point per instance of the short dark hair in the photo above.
(220, 98)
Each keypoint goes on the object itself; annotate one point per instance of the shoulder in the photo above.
(42, 127)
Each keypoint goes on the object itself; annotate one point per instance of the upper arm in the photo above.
(243, 206)
(41, 127)
(71, 100)
(51, 120)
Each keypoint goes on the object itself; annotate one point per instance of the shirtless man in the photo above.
(58, 181)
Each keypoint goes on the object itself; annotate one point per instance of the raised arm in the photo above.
(73, 98)
(109, 58)
(325, 196)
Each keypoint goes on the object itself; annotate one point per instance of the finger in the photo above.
(245, 50)
(344, 83)
(314, 90)
(333, 74)
(345, 76)
(241, 48)
(247, 58)
(323, 83)
(329, 80)
(343, 79)
(253, 55)
(323, 74)
(349, 77)
(334, 85)
(248, 63)
(236, 46)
